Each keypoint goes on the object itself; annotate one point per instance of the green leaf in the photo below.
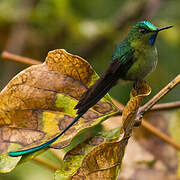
(74, 158)
(7, 163)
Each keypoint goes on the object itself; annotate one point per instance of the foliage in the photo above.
(101, 157)
(39, 102)
(90, 29)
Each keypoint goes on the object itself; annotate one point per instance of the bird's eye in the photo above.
(142, 30)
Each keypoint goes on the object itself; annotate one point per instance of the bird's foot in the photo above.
(138, 121)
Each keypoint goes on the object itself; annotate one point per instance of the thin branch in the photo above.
(160, 134)
(156, 107)
(21, 59)
(154, 130)
(166, 106)
(45, 163)
(157, 97)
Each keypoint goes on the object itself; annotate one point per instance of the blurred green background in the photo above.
(91, 29)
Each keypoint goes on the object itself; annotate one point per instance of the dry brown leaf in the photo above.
(39, 102)
(104, 161)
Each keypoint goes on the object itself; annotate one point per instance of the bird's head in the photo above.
(144, 33)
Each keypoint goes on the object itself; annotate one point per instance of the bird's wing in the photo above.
(121, 61)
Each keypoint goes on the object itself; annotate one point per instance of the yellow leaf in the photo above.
(39, 102)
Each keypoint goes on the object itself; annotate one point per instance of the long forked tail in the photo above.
(31, 150)
(90, 98)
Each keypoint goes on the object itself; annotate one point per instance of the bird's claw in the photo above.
(138, 120)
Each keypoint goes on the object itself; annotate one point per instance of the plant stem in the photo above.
(21, 59)
(45, 163)
(166, 106)
(160, 134)
(155, 130)
(156, 107)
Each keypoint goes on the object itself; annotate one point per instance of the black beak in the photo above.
(160, 29)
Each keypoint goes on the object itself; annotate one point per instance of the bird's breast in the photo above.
(145, 61)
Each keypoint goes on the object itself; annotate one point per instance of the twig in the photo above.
(166, 106)
(21, 59)
(155, 130)
(157, 97)
(156, 107)
(147, 106)
(161, 135)
(45, 163)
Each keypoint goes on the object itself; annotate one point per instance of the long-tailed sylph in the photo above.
(133, 59)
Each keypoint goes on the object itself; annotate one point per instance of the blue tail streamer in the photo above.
(31, 150)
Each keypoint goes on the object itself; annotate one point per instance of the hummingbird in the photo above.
(134, 58)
